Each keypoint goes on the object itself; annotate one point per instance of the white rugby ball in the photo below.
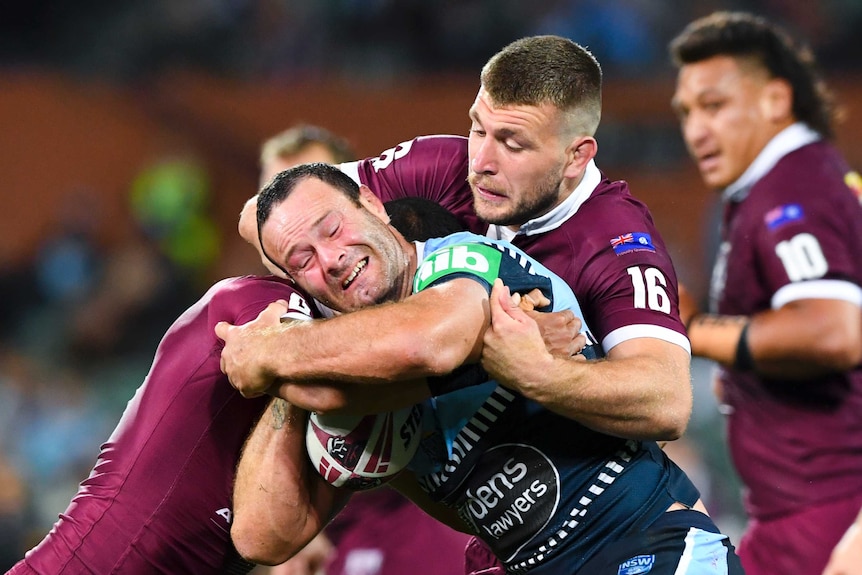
(362, 452)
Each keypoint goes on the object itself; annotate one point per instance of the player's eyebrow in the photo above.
(314, 227)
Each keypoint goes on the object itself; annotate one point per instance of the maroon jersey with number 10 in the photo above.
(793, 231)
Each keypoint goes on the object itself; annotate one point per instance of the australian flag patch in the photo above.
(632, 242)
(781, 215)
(637, 565)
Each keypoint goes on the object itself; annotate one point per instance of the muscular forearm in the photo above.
(643, 395)
(352, 398)
(280, 503)
(803, 339)
(419, 337)
(641, 391)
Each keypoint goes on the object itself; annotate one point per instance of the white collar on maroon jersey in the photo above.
(553, 219)
(787, 140)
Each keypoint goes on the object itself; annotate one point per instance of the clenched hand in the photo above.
(244, 357)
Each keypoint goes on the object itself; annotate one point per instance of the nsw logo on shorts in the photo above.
(636, 565)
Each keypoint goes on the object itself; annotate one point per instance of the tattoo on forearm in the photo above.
(705, 319)
(279, 407)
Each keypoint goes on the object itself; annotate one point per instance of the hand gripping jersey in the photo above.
(544, 492)
(158, 500)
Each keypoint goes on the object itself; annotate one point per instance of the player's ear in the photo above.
(777, 100)
(372, 203)
(578, 154)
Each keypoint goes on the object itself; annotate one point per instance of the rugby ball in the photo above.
(363, 452)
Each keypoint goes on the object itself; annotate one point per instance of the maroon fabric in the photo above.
(799, 542)
(794, 443)
(382, 533)
(479, 560)
(159, 497)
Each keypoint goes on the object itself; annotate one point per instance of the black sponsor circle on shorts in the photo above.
(510, 497)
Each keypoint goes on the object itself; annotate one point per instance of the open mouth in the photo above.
(489, 194)
(355, 273)
(707, 159)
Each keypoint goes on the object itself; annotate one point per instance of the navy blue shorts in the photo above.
(679, 543)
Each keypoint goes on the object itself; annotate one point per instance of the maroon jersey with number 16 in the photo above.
(601, 240)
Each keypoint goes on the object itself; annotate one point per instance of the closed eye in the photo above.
(299, 261)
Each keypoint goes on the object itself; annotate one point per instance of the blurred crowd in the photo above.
(291, 40)
(79, 323)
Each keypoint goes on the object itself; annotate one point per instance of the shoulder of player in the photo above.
(610, 211)
(613, 198)
(459, 255)
(817, 164)
(811, 178)
(250, 284)
(237, 297)
(433, 150)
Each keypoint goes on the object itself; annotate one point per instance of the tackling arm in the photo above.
(641, 391)
(429, 333)
(280, 502)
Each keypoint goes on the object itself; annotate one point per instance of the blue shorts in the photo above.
(679, 543)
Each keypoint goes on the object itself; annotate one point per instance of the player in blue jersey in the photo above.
(348, 542)
(786, 289)
(546, 493)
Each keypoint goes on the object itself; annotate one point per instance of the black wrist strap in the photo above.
(743, 360)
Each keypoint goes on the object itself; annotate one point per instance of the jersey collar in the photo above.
(553, 219)
(787, 140)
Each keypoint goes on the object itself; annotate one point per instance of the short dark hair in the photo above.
(420, 219)
(744, 35)
(546, 69)
(283, 183)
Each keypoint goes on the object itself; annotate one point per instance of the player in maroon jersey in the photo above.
(786, 296)
(159, 499)
(533, 181)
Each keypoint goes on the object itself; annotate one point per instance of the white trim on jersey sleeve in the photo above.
(628, 332)
(295, 315)
(818, 289)
(351, 169)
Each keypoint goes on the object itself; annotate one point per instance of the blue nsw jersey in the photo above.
(543, 491)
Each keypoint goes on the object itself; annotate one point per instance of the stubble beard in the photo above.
(545, 196)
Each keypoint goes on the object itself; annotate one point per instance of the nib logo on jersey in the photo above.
(511, 497)
(476, 259)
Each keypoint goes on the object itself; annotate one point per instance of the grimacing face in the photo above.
(343, 255)
(517, 161)
(724, 113)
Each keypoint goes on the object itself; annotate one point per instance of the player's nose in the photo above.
(484, 161)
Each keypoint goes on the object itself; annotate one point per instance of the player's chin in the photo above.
(497, 211)
(357, 299)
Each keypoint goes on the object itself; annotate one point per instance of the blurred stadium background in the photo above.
(129, 136)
